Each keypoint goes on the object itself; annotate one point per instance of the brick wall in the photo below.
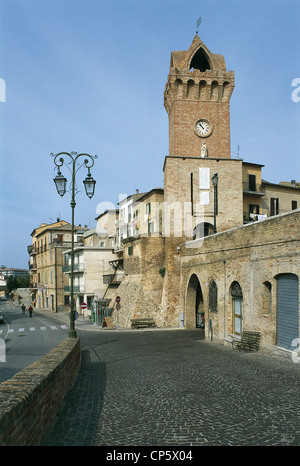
(177, 192)
(183, 141)
(30, 400)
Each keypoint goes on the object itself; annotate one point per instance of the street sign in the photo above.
(118, 299)
(118, 306)
(83, 306)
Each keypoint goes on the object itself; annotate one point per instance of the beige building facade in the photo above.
(46, 262)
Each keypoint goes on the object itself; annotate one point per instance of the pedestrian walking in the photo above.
(30, 311)
(23, 308)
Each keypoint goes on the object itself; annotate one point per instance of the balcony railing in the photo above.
(77, 268)
(253, 188)
(76, 289)
(113, 279)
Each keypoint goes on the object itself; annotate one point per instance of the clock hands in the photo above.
(203, 128)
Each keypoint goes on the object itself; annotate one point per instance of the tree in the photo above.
(13, 283)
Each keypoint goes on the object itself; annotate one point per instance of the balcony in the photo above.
(31, 250)
(76, 289)
(249, 217)
(253, 189)
(113, 279)
(77, 268)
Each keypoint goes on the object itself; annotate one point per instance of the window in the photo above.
(130, 250)
(253, 211)
(252, 183)
(150, 227)
(294, 205)
(274, 206)
(200, 61)
(237, 308)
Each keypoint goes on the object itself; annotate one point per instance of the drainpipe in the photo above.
(224, 262)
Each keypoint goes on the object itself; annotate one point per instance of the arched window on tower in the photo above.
(200, 61)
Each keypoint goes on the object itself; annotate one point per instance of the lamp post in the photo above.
(61, 184)
(214, 181)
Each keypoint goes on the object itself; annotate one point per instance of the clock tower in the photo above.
(202, 184)
(197, 97)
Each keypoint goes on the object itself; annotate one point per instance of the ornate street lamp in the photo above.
(89, 184)
(214, 181)
(61, 183)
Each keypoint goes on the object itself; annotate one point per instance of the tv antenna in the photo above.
(199, 21)
(237, 153)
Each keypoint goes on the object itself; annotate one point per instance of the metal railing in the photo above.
(77, 268)
(253, 188)
(76, 289)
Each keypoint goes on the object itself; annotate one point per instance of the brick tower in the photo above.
(196, 97)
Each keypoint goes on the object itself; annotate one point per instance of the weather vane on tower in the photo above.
(199, 21)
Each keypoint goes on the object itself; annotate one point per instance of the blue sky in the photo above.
(89, 76)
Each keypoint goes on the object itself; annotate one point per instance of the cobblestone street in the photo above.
(173, 388)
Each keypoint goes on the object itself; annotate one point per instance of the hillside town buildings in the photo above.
(218, 244)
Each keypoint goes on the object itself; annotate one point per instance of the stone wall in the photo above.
(30, 400)
(141, 289)
(252, 255)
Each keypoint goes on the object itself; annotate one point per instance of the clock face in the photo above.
(203, 128)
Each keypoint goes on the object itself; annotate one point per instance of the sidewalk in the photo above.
(85, 323)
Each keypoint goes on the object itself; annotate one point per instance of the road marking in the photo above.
(33, 329)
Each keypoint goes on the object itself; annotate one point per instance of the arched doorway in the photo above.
(194, 311)
(287, 310)
(237, 308)
(203, 229)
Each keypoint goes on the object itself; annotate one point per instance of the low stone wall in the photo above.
(30, 400)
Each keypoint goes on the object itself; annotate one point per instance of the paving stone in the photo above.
(166, 388)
